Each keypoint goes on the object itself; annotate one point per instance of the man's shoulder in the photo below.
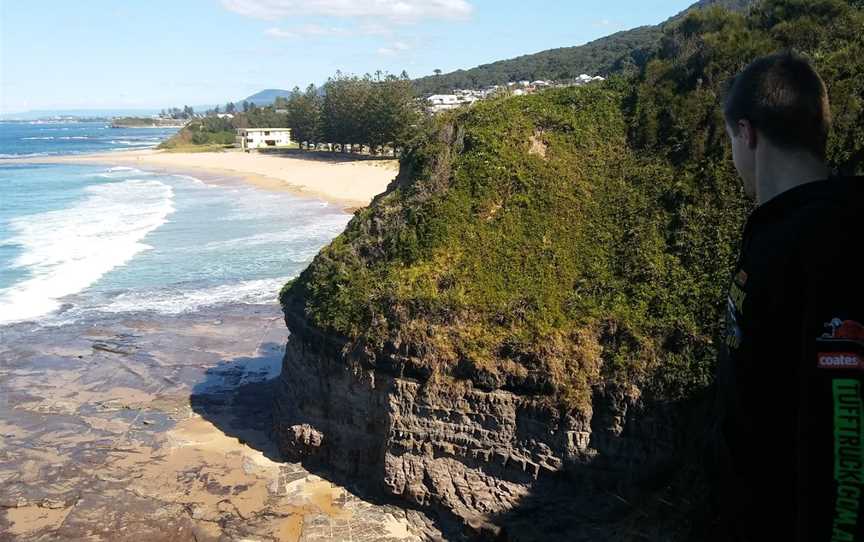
(834, 216)
(829, 231)
(813, 228)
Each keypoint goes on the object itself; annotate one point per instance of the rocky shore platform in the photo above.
(153, 427)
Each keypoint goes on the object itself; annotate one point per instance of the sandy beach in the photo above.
(346, 180)
(140, 425)
(149, 427)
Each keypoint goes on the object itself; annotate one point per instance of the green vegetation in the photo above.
(176, 113)
(371, 111)
(221, 131)
(549, 243)
(202, 132)
(143, 122)
(621, 53)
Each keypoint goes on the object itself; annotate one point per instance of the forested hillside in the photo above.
(621, 52)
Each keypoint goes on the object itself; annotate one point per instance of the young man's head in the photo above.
(777, 106)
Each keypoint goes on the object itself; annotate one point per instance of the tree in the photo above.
(304, 114)
(437, 71)
(343, 112)
(392, 111)
(230, 108)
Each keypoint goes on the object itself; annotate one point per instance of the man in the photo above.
(792, 376)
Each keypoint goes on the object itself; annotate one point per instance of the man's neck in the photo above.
(778, 170)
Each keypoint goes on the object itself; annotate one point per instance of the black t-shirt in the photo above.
(792, 374)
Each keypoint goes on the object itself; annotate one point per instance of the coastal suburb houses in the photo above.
(263, 138)
(442, 102)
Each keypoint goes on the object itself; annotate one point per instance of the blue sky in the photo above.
(64, 54)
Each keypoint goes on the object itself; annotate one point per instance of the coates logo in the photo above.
(839, 360)
(849, 330)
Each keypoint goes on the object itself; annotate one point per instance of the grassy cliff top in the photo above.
(550, 243)
(526, 246)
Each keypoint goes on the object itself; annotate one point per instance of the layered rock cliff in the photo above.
(463, 451)
(517, 334)
(450, 349)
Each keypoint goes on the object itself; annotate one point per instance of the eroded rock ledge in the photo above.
(468, 454)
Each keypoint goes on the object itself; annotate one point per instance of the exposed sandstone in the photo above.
(453, 448)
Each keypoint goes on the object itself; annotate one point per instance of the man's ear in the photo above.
(748, 132)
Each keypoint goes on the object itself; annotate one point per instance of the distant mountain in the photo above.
(620, 52)
(267, 96)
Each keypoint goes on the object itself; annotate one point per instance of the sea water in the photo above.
(80, 241)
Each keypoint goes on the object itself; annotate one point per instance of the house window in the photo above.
(266, 133)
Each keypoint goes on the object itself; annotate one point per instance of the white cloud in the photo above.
(395, 10)
(306, 31)
(394, 49)
(371, 28)
(279, 33)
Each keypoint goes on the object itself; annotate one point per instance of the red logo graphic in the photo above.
(839, 360)
(848, 329)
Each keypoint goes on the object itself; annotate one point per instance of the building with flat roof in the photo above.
(263, 138)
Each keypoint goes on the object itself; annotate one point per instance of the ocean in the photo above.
(84, 242)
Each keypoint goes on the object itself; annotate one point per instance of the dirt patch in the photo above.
(536, 145)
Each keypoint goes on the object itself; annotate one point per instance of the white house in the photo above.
(443, 99)
(585, 78)
(263, 138)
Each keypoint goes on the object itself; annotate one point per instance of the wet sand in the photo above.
(149, 427)
(342, 179)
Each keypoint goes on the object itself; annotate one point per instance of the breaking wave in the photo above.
(67, 250)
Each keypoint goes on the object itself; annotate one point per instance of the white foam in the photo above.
(311, 236)
(177, 301)
(123, 172)
(194, 180)
(131, 143)
(31, 138)
(26, 155)
(67, 250)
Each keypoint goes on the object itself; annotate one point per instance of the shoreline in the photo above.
(161, 423)
(350, 183)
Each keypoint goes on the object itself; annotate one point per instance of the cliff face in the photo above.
(464, 342)
(517, 333)
(460, 450)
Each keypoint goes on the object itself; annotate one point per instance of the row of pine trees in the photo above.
(375, 111)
